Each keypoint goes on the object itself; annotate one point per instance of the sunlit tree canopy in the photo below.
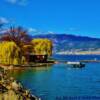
(42, 46)
(10, 53)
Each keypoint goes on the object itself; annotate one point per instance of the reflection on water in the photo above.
(21, 72)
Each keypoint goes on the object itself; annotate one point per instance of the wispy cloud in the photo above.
(18, 2)
(50, 32)
(32, 30)
(4, 20)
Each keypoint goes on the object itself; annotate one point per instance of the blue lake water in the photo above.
(59, 80)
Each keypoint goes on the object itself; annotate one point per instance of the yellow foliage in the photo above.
(9, 53)
(42, 46)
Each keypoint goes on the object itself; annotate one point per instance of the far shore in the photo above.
(77, 54)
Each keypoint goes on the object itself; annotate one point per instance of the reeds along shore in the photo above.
(11, 89)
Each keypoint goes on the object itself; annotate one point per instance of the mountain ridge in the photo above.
(67, 42)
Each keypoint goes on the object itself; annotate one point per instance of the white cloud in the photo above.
(18, 2)
(50, 32)
(3, 30)
(3, 20)
(32, 30)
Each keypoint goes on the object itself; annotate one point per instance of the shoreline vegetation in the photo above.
(26, 66)
(19, 48)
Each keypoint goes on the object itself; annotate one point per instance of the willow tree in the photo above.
(42, 46)
(10, 53)
(19, 36)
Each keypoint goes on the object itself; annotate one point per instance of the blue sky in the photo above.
(79, 17)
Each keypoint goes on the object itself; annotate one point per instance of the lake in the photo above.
(61, 80)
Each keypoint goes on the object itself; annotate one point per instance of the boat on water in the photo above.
(76, 64)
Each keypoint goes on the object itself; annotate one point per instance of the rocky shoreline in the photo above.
(11, 89)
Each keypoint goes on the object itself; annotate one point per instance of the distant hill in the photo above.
(64, 42)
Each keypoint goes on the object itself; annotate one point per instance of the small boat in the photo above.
(76, 64)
